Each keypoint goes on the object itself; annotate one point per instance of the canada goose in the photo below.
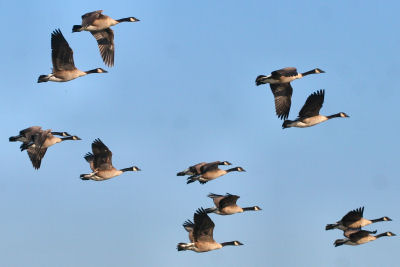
(226, 205)
(189, 227)
(210, 172)
(26, 136)
(195, 169)
(354, 219)
(279, 81)
(99, 26)
(101, 163)
(201, 237)
(36, 142)
(64, 69)
(350, 231)
(360, 237)
(309, 113)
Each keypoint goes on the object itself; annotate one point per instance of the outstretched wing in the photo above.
(286, 72)
(203, 226)
(228, 200)
(102, 155)
(209, 167)
(353, 216)
(61, 53)
(105, 42)
(88, 18)
(36, 155)
(313, 104)
(358, 235)
(283, 99)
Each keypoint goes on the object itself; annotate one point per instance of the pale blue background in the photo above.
(182, 91)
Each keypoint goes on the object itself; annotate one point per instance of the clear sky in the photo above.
(182, 91)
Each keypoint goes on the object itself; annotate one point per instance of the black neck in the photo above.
(308, 72)
(377, 220)
(337, 115)
(60, 133)
(67, 138)
(124, 20)
(91, 71)
(231, 243)
(127, 169)
(380, 235)
(249, 208)
(232, 169)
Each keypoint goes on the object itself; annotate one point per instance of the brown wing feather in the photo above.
(353, 216)
(61, 53)
(358, 235)
(88, 18)
(209, 167)
(102, 155)
(105, 42)
(203, 227)
(228, 200)
(286, 72)
(283, 98)
(313, 104)
(36, 155)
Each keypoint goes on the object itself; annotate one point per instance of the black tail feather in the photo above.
(330, 226)
(77, 28)
(260, 80)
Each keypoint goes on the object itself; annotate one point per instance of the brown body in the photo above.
(99, 25)
(64, 69)
(201, 234)
(101, 163)
(210, 172)
(354, 219)
(226, 205)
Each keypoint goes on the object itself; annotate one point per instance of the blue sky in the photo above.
(182, 91)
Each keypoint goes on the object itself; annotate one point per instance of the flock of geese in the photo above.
(36, 140)
(351, 225)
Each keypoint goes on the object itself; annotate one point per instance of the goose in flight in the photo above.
(279, 81)
(99, 25)
(101, 163)
(201, 234)
(354, 219)
(309, 113)
(360, 237)
(36, 141)
(64, 69)
(210, 171)
(195, 169)
(226, 205)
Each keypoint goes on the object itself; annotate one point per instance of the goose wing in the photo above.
(102, 155)
(354, 237)
(203, 227)
(353, 216)
(228, 200)
(216, 198)
(283, 98)
(189, 226)
(36, 152)
(30, 130)
(36, 155)
(195, 169)
(89, 157)
(89, 18)
(212, 166)
(313, 104)
(105, 42)
(61, 53)
(286, 72)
